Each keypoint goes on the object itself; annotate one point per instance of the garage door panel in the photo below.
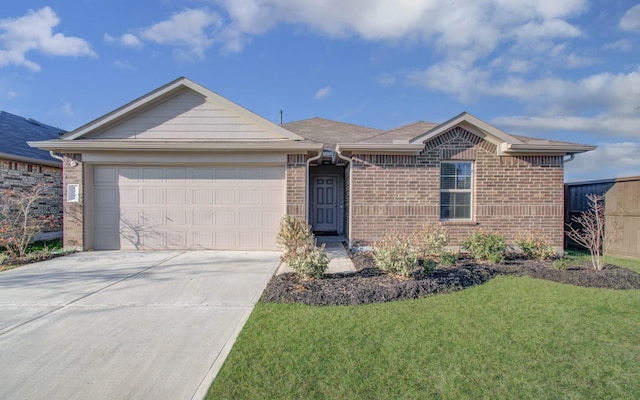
(225, 240)
(272, 197)
(203, 196)
(176, 217)
(106, 175)
(128, 175)
(128, 196)
(226, 196)
(176, 196)
(107, 196)
(225, 218)
(153, 196)
(249, 219)
(187, 207)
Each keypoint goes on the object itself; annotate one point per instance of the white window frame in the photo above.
(470, 190)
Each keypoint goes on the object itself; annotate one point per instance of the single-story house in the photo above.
(22, 167)
(184, 168)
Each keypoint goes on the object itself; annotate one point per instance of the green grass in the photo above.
(583, 256)
(510, 338)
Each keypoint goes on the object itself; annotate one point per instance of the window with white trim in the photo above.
(455, 190)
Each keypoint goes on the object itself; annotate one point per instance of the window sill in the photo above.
(459, 222)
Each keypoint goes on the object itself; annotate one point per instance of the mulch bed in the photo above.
(370, 285)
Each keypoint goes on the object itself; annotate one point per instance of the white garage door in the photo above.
(187, 208)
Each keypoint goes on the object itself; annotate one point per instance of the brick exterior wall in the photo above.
(510, 194)
(74, 212)
(21, 176)
(296, 181)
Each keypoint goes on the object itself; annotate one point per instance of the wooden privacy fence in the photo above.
(622, 211)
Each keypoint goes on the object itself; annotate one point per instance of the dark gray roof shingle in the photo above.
(15, 131)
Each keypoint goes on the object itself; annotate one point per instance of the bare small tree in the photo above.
(589, 229)
(19, 223)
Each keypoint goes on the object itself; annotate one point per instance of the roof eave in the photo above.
(167, 146)
(527, 148)
(380, 148)
(31, 160)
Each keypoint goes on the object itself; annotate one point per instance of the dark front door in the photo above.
(325, 203)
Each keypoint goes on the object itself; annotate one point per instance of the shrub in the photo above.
(18, 223)
(395, 254)
(486, 246)
(534, 246)
(429, 241)
(448, 258)
(294, 236)
(561, 263)
(588, 229)
(299, 248)
(428, 266)
(312, 263)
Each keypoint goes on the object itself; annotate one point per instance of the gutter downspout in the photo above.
(308, 209)
(571, 158)
(348, 160)
(57, 157)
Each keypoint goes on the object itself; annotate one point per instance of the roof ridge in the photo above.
(331, 120)
(396, 129)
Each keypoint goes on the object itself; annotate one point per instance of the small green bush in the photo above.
(312, 263)
(299, 248)
(429, 241)
(448, 258)
(294, 236)
(486, 246)
(395, 254)
(534, 246)
(561, 263)
(428, 266)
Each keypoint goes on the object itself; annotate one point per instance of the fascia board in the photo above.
(139, 145)
(545, 148)
(380, 148)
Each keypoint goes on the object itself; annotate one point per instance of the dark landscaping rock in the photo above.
(370, 285)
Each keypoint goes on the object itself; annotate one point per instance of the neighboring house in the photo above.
(621, 211)
(23, 167)
(183, 168)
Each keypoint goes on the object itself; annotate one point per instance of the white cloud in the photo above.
(11, 94)
(67, 109)
(611, 125)
(322, 93)
(472, 26)
(191, 31)
(124, 65)
(34, 31)
(620, 159)
(126, 40)
(630, 22)
(620, 45)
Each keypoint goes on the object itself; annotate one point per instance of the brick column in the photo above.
(297, 185)
(73, 212)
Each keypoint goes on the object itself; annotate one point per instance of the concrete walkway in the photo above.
(125, 325)
(339, 260)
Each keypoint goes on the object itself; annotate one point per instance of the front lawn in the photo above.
(513, 337)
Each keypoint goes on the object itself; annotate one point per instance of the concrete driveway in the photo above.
(125, 325)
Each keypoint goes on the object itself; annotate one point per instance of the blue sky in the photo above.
(566, 70)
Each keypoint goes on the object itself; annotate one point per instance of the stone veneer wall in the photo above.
(510, 194)
(20, 176)
(74, 212)
(296, 181)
